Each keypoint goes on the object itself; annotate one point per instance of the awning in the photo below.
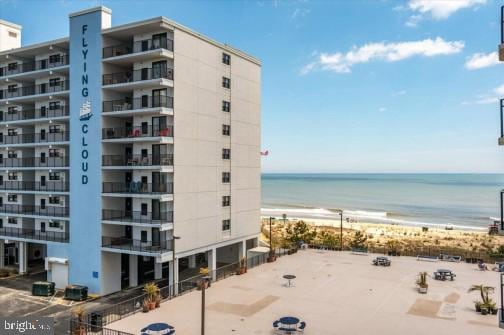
(57, 260)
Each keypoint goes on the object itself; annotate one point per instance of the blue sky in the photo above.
(348, 86)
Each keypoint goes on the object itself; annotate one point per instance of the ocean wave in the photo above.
(367, 216)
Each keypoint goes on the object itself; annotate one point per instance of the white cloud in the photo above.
(398, 93)
(482, 60)
(389, 52)
(299, 13)
(382, 109)
(437, 9)
(489, 98)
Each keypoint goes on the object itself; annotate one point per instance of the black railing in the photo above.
(35, 138)
(136, 187)
(502, 24)
(41, 64)
(137, 216)
(137, 103)
(125, 243)
(59, 211)
(137, 131)
(138, 46)
(47, 186)
(23, 162)
(94, 327)
(137, 75)
(34, 234)
(35, 89)
(29, 114)
(137, 160)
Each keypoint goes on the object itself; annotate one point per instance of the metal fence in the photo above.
(97, 320)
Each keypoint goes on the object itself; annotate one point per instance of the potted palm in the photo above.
(486, 305)
(79, 312)
(152, 290)
(242, 267)
(422, 282)
(145, 305)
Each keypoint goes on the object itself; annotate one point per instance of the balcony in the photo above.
(137, 216)
(136, 132)
(43, 64)
(56, 211)
(137, 188)
(137, 160)
(32, 234)
(138, 46)
(34, 162)
(501, 45)
(34, 114)
(37, 186)
(35, 138)
(145, 102)
(133, 76)
(25, 91)
(124, 243)
(501, 138)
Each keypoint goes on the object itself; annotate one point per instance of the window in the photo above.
(226, 177)
(12, 198)
(226, 130)
(12, 221)
(12, 132)
(54, 105)
(226, 59)
(144, 209)
(12, 66)
(12, 176)
(12, 34)
(226, 82)
(226, 201)
(12, 154)
(12, 110)
(55, 128)
(226, 225)
(54, 224)
(54, 200)
(54, 176)
(226, 153)
(144, 153)
(54, 82)
(55, 58)
(54, 153)
(226, 106)
(12, 88)
(143, 236)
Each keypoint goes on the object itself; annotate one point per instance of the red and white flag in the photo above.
(265, 153)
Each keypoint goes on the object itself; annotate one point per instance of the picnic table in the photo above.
(383, 261)
(443, 274)
(158, 328)
(289, 278)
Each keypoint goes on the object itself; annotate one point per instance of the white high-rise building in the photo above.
(118, 139)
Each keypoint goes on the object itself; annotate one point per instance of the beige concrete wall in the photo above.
(198, 144)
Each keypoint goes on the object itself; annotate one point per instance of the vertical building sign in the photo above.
(85, 148)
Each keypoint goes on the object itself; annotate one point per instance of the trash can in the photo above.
(76, 292)
(96, 321)
(43, 288)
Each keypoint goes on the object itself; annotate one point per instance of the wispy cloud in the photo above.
(382, 109)
(398, 93)
(436, 9)
(489, 98)
(300, 13)
(482, 60)
(340, 62)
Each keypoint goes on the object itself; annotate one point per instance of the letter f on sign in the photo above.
(84, 29)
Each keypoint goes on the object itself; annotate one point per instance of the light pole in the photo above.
(341, 229)
(173, 265)
(284, 217)
(203, 284)
(271, 255)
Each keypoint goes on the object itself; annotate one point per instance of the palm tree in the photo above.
(483, 290)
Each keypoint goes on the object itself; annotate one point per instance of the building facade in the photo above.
(127, 153)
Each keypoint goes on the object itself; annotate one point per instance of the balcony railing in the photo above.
(137, 187)
(47, 186)
(33, 234)
(125, 243)
(137, 75)
(137, 216)
(30, 114)
(137, 160)
(35, 138)
(27, 162)
(138, 46)
(137, 131)
(42, 64)
(137, 103)
(35, 89)
(34, 210)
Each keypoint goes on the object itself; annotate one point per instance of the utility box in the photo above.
(43, 288)
(76, 292)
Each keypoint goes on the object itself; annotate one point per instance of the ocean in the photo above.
(464, 201)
